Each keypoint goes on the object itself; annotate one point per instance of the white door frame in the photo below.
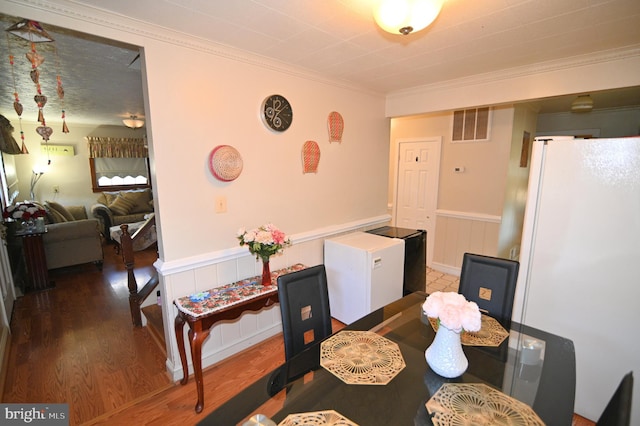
(437, 141)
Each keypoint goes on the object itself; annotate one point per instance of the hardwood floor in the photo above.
(75, 343)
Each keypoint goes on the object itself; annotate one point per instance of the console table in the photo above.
(202, 310)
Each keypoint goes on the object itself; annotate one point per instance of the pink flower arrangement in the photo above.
(453, 311)
(263, 242)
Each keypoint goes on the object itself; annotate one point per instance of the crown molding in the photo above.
(524, 71)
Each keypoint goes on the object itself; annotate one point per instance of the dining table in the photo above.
(374, 372)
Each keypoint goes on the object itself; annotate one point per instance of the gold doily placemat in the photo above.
(361, 358)
(491, 333)
(478, 404)
(329, 417)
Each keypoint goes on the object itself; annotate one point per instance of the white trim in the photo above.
(469, 216)
(531, 82)
(533, 69)
(206, 259)
(447, 269)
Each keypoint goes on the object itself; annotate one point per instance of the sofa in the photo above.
(118, 207)
(71, 238)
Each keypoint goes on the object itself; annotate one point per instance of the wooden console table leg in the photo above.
(179, 326)
(196, 336)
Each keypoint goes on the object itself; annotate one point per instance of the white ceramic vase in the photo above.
(445, 355)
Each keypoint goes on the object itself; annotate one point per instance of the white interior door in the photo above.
(417, 187)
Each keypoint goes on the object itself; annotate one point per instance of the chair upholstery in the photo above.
(491, 283)
(304, 304)
(618, 410)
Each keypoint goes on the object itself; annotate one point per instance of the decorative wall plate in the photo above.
(336, 126)
(277, 113)
(310, 157)
(225, 163)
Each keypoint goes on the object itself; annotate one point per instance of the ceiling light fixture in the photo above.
(133, 122)
(582, 103)
(406, 16)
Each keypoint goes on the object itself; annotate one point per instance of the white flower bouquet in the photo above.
(453, 311)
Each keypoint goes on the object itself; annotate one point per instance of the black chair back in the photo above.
(491, 283)
(618, 410)
(304, 304)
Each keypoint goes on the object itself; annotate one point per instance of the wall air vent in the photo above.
(471, 125)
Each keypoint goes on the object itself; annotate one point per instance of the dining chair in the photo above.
(618, 410)
(304, 305)
(491, 283)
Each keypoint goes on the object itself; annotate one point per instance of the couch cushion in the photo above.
(141, 200)
(107, 198)
(59, 208)
(54, 216)
(121, 206)
(78, 212)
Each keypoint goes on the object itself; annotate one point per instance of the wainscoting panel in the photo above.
(458, 233)
(194, 275)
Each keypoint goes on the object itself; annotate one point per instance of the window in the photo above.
(119, 173)
(118, 163)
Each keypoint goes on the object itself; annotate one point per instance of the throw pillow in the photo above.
(59, 208)
(140, 200)
(107, 198)
(121, 206)
(54, 216)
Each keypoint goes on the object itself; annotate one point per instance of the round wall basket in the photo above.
(225, 163)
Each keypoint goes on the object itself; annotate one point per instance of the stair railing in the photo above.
(136, 295)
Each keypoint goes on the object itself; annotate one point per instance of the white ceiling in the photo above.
(339, 40)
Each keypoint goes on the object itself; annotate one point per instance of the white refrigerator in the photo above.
(580, 260)
(364, 273)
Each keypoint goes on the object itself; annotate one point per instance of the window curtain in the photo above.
(110, 167)
(117, 147)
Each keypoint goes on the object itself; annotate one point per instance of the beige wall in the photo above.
(515, 191)
(469, 204)
(604, 123)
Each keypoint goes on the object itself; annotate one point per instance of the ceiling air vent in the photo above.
(471, 125)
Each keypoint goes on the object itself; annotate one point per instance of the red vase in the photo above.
(266, 272)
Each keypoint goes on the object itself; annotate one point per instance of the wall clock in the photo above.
(276, 113)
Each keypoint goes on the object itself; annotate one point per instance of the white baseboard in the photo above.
(445, 269)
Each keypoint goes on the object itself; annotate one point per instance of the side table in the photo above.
(201, 311)
(35, 260)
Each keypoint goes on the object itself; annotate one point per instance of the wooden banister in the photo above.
(136, 295)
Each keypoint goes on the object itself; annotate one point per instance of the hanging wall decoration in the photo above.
(34, 33)
(225, 163)
(336, 127)
(310, 157)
